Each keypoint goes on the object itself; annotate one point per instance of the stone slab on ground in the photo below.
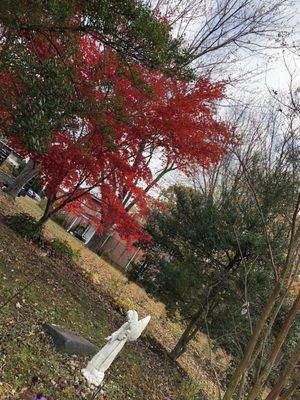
(67, 342)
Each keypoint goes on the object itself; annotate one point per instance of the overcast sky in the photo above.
(271, 67)
(267, 70)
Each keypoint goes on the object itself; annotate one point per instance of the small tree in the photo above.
(214, 261)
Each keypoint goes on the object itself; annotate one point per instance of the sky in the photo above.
(269, 69)
(274, 66)
(261, 68)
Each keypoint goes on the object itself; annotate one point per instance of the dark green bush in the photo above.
(27, 226)
(63, 247)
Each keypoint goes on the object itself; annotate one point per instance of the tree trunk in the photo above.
(43, 219)
(189, 334)
(193, 327)
(242, 386)
(285, 374)
(199, 317)
(242, 367)
(47, 213)
(28, 172)
(291, 390)
(276, 348)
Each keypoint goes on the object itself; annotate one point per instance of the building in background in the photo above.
(115, 250)
(8, 156)
(109, 246)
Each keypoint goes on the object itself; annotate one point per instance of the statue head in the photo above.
(132, 316)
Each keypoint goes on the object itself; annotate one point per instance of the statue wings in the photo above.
(137, 327)
(132, 329)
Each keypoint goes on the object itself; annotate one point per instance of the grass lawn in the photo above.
(89, 298)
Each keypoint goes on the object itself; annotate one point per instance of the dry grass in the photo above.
(196, 361)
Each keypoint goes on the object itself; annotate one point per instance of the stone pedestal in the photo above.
(67, 342)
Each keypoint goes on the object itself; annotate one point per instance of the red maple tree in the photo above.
(130, 116)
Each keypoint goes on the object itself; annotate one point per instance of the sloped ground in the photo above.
(61, 295)
(83, 316)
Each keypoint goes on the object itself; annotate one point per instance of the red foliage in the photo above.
(132, 116)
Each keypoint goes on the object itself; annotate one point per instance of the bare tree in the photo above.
(283, 377)
(293, 387)
(274, 136)
(286, 152)
(219, 32)
(258, 385)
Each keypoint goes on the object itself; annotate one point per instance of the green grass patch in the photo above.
(64, 248)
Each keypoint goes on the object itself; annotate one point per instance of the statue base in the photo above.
(93, 376)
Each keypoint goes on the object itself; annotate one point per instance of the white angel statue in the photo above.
(129, 332)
